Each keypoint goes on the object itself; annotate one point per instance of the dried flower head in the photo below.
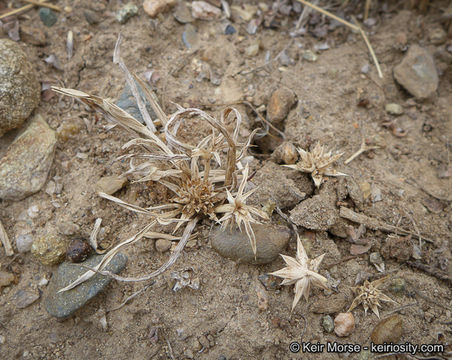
(318, 163)
(370, 296)
(301, 271)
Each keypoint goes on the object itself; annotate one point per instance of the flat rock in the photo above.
(316, 213)
(20, 90)
(417, 73)
(64, 304)
(110, 184)
(26, 164)
(280, 104)
(23, 298)
(275, 185)
(155, 7)
(271, 240)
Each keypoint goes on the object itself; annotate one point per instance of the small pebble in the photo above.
(388, 330)
(47, 16)
(281, 101)
(49, 249)
(437, 36)
(182, 13)
(126, 12)
(78, 250)
(68, 228)
(204, 11)
(365, 68)
(2, 339)
(344, 324)
(163, 245)
(270, 282)
(252, 50)
(91, 17)
(110, 184)
(229, 30)
(376, 194)
(394, 109)
(262, 298)
(327, 323)
(24, 298)
(43, 282)
(397, 286)
(286, 153)
(155, 7)
(6, 278)
(310, 56)
(24, 242)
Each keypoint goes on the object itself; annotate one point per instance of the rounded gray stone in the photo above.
(64, 304)
(271, 240)
(19, 87)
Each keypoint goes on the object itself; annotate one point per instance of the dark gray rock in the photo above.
(47, 16)
(26, 164)
(20, 90)
(417, 73)
(128, 103)
(271, 240)
(64, 304)
(23, 298)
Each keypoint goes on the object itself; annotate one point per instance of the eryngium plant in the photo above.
(201, 184)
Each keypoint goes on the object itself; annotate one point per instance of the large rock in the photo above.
(19, 87)
(280, 104)
(26, 164)
(64, 304)
(417, 73)
(271, 240)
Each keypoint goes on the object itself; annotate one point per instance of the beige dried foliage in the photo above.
(302, 272)
(370, 296)
(201, 183)
(318, 163)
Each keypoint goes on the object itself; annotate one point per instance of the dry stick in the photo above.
(441, 275)
(361, 150)
(22, 9)
(350, 25)
(376, 224)
(43, 4)
(5, 241)
(134, 295)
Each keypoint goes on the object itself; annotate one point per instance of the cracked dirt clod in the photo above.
(316, 213)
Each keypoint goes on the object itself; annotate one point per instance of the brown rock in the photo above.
(33, 35)
(286, 153)
(388, 330)
(155, 7)
(344, 324)
(162, 245)
(417, 73)
(110, 184)
(316, 213)
(280, 104)
(271, 240)
(5, 278)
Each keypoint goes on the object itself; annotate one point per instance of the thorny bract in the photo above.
(201, 183)
(318, 163)
(301, 271)
(370, 296)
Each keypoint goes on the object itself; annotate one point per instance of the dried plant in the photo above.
(201, 184)
(370, 296)
(301, 271)
(318, 163)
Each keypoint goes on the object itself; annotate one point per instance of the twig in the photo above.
(5, 241)
(134, 295)
(401, 308)
(264, 120)
(361, 150)
(351, 26)
(21, 9)
(43, 4)
(376, 224)
(441, 275)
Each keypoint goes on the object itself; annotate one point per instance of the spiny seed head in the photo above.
(197, 197)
